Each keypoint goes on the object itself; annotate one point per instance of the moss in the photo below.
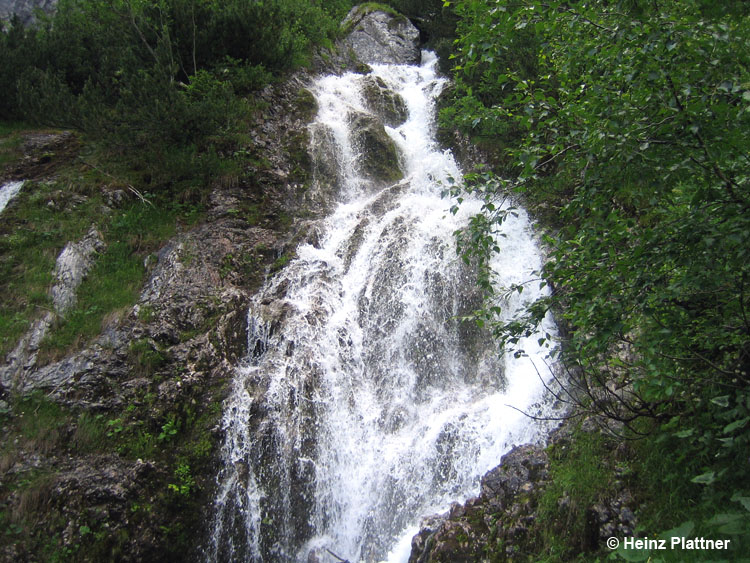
(582, 473)
(282, 261)
(368, 8)
(306, 103)
(145, 356)
(146, 313)
(380, 159)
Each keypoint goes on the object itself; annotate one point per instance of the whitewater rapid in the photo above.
(365, 404)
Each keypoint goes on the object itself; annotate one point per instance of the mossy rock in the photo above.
(379, 155)
(384, 102)
(306, 103)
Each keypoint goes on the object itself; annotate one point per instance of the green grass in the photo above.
(658, 473)
(10, 149)
(581, 472)
(11, 141)
(32, 233)
(116, 278)
(46, 215)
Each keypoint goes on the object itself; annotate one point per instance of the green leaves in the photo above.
(626, 128)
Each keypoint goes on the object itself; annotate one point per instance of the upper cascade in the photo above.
(378, 37)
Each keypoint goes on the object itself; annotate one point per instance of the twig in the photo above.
(130, 187)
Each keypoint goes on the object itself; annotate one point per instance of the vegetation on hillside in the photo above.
(162, 72)
(161, 98)
(625, 126)
(163, 95)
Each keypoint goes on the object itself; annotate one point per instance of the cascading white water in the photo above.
(365, 404)
(9, 191)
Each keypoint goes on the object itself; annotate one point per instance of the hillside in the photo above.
(168, 173)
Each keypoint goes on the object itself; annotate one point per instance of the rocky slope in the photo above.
(24, 9)
(518, 505)
(110, 451)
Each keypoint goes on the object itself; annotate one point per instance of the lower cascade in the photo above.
(365, 404)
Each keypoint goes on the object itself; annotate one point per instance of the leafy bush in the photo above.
(138, 73)
(631, 122)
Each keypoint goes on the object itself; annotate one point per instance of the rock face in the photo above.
(502, 523)
(72, 266)
(164, 365)
(508, 491)
(379, 37)
(24, 9)
(379, 161)
(383, 102)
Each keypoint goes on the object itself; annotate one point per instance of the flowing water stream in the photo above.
(364, 404)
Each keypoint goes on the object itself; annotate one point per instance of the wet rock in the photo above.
(379, 156)
(383, 102)
(325, 168)
(379, 37)
(501, 523)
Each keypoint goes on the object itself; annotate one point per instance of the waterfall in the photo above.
(365, 404)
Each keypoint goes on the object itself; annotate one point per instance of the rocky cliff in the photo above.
(110, 450)
(524, 500)
(25, 9)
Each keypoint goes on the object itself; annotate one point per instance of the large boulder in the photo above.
(380, 37)
(389, 106)
(379, 156)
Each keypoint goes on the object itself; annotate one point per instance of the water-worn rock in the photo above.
(326, 170)
(379, 37)
(379, 156)
(383, 102)
(508, 491)
(501, 524)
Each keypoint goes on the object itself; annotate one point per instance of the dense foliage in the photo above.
(166, 71)
(625, 125)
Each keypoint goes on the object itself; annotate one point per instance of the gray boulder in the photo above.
(379, 37)
(25, 9)
(384, 102)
